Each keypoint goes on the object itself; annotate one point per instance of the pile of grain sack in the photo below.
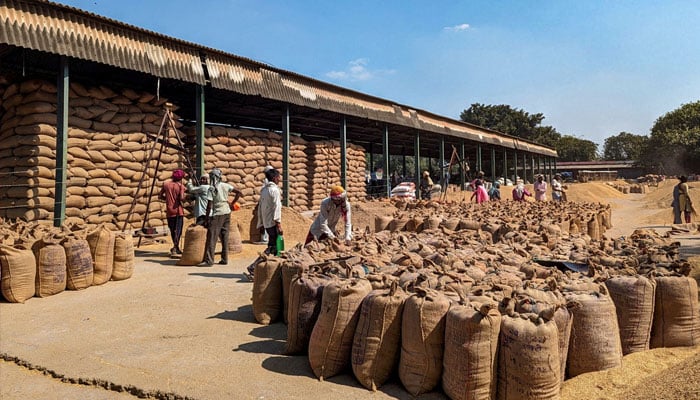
(627, 188)
(36, 260)
(111, 134)
(457, 303)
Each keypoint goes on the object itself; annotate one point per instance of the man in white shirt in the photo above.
(218, 217)
(270, 210)
(332, 209)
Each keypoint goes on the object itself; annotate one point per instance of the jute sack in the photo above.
(377, 340)
(18, 273)
(305, 294)
(528, 359)
(195, 245)
(634, 303)
(234, 237)
(422, 340)
(290, 271)
(331, 340)
(676, 319)
(123, 256)
(79, 264)
(101, 242)
(595, 336)
(50, 267)
(267, 289)
(381, 222)
(471, 341)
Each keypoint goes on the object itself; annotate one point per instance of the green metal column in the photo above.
(344, 153)
(478, 158)
(493, 164)
(416, 154)
(199, 143)
(462, 172)
(505, 165)
(285, 156)
(515, 167)
(63, 85)
(385, 149)
(442, 163)
(532, 164)
(524, 168)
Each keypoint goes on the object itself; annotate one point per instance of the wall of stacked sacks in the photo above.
(109, 140)
(449, 297)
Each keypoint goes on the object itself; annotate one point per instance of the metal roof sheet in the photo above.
(55, 28)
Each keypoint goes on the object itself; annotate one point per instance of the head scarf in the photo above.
(178, 174)
(338, 193)
(215, 179)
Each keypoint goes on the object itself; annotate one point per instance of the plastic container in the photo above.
(280, 244)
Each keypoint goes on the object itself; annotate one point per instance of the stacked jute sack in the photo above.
(109, 140)
(108, 146)
(36, 260)
(627, 188)
(324, 165)
(196, 240)
(452, 308)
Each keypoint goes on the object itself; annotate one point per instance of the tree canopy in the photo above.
(519, 123)
(624, 146)
(674, 144)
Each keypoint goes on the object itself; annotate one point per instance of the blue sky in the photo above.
(593, 68)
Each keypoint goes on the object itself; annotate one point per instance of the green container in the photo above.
(280, 244)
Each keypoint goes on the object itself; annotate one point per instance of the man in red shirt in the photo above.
(173, 193)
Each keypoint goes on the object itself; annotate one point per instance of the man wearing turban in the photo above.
(333, 208)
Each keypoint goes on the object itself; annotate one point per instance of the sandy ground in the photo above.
(174, 332)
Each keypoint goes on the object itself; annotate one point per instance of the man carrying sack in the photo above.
(218, 217)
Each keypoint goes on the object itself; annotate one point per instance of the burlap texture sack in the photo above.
(377, 340)
(124, 259)
(267, 289)
(634, 303)
(305, 294)
(676, 315)
(50, 267)
(331, 340)
(18, 273)
(101, 242)
(79, 264)
(195, 245)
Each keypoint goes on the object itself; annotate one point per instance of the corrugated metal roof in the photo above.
(55, 28)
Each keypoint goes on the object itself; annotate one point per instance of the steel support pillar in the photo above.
(344, 153)
(63, 86)
(416, 154)
(385, 150)
(199, 128)
(285, 156)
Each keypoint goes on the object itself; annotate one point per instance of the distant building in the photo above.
(600, 170)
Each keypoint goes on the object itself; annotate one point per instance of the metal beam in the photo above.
(344, 153)
(385, 150)
(199, 127)
(63, 85)
(493, 164)
(285, 157)
(515, 167)
(442, 163)
(478, 158)
(505, 165)
(416, 166)
(462, 172)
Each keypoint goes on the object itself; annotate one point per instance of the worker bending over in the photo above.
(332, 208)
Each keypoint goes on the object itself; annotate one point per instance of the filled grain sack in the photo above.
(331, 340)
(124, 259)
(595, 336)
(235, 245)
(290, 271)
(634, 303)
(381, 222)
(195, 245)
(528, 359)
(101, 242)
(377, 340)
(305, 294)
(50, 267)
(79, 264)
(676, 318)
(17, 273)
(267, 289)
(471, 341)
(422, 340)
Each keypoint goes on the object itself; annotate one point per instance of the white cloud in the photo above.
(457, 28)
(357, 70)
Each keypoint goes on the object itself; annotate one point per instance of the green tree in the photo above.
(624, 146)
(674, 144)
(571, 148)
(505, 119)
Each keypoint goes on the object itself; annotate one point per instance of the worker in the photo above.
(332, 208)
(218, 217)
(263, 234)
(426, 185)
(199, 193)
(173, 193)
(270, 210)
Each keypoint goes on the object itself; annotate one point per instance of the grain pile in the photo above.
(579, 320)
(324, 164)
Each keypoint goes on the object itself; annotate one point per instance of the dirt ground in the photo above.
(175, 332)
